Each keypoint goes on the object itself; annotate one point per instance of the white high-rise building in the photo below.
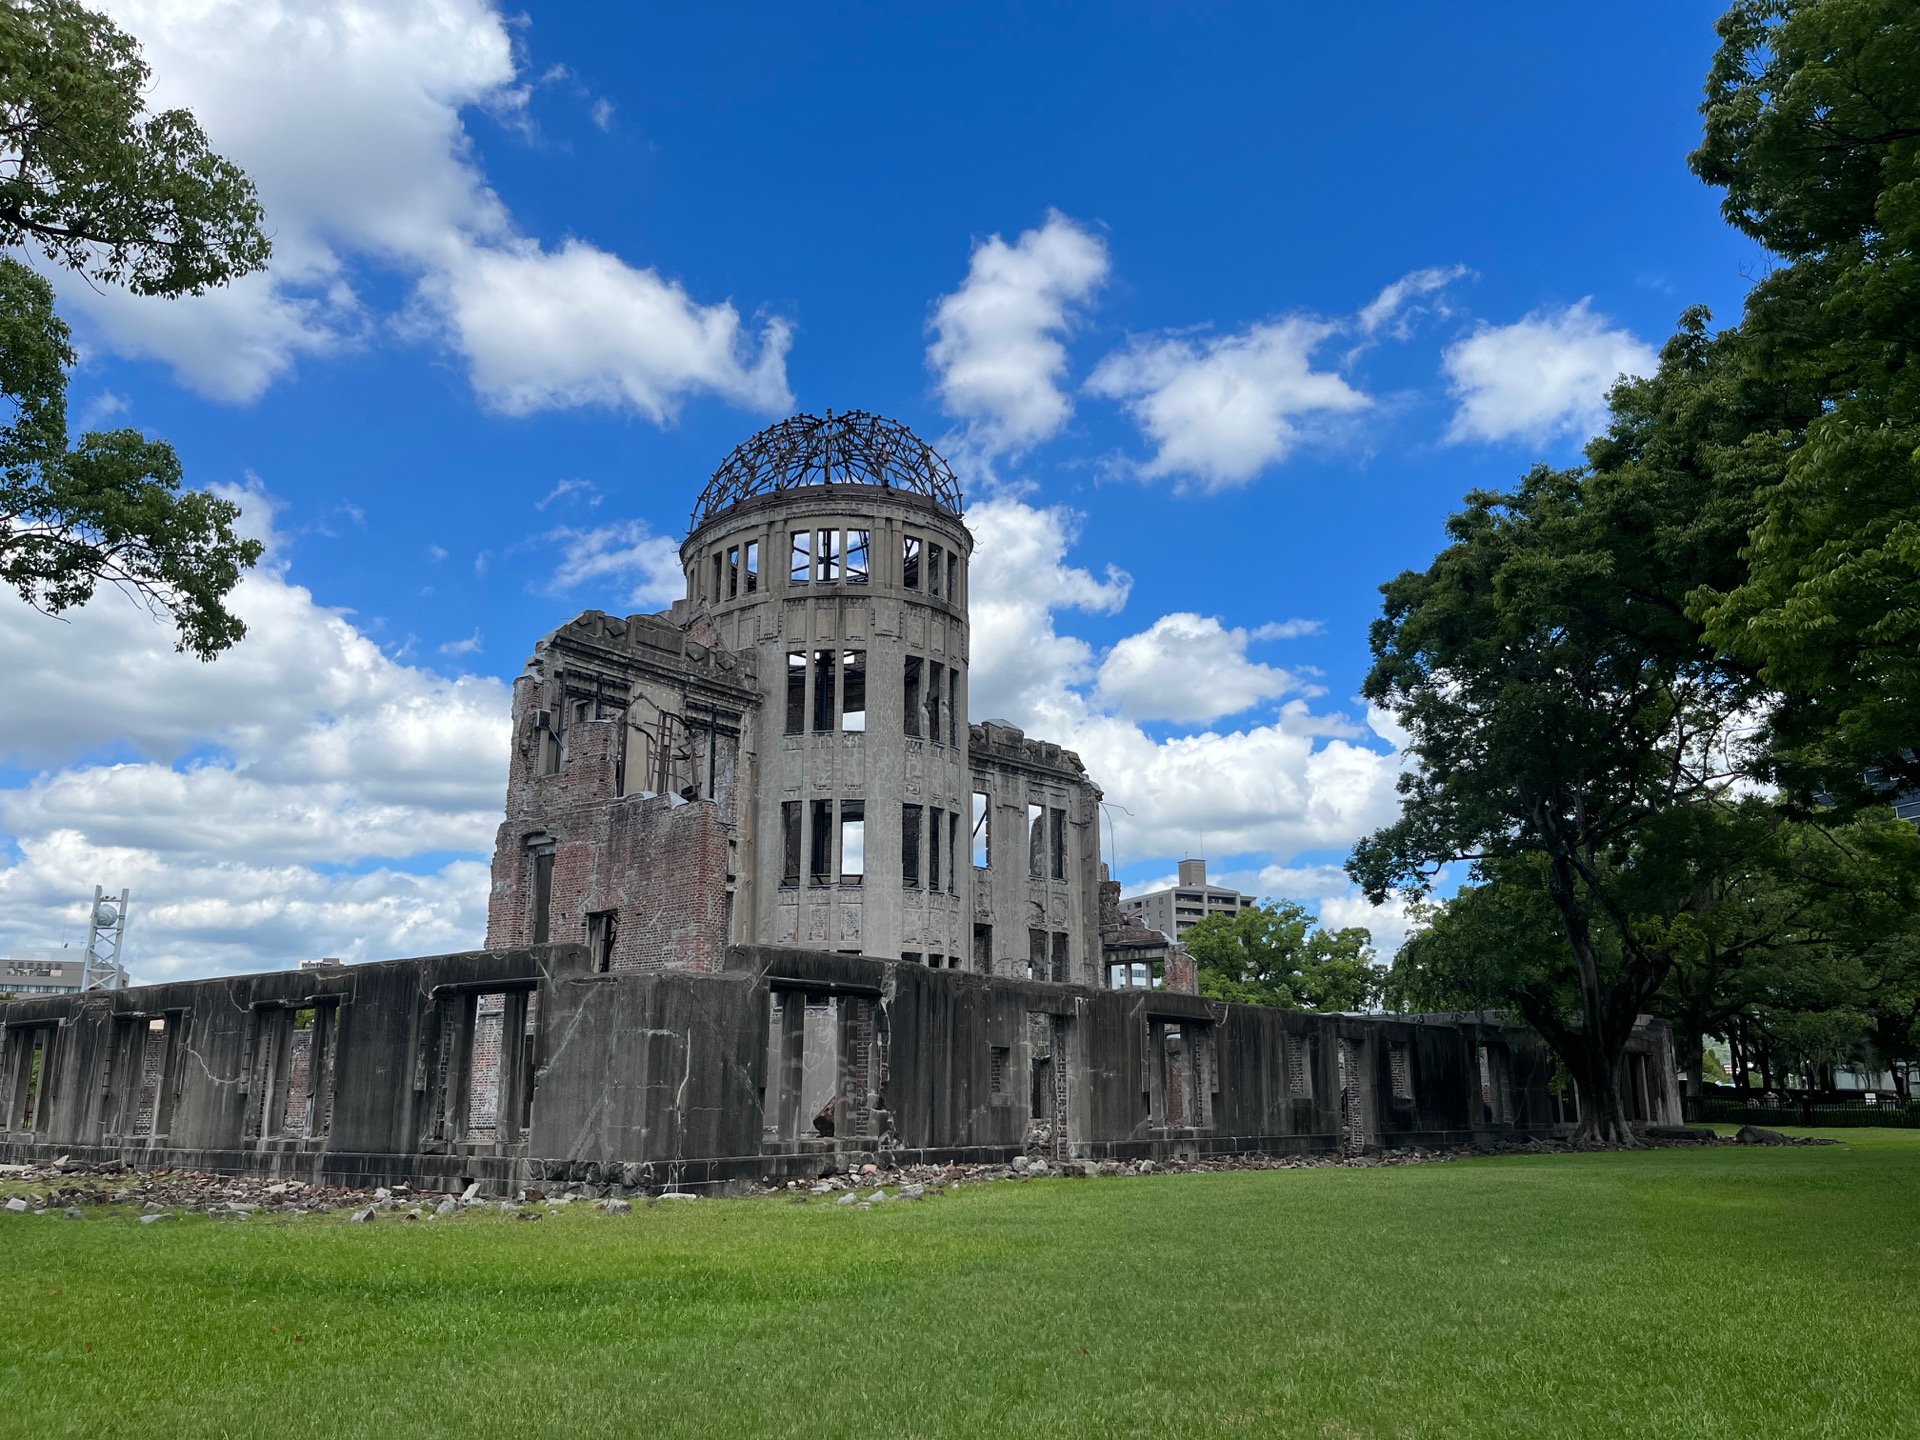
(1174, 912)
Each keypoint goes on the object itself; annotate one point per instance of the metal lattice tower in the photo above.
(106, 933)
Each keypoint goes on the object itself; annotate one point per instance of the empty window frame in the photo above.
(934, 554)
(796, 692)
(910, 846)
(954, 708)
(1299, 1071)
(750, 567)
(983, 949)
(853, 691)
(800, 565)
(953, 577)
(719, 572)
(853, 841)
(1400, 1069)
(548, 741)
(603, 932)
(1057, 844)
(953, 852)
(826, 555)
(1036, 840)
(824, 663)
(820, 847)
(1036, 954)
(1062, 965)
(859, 556)
(933, 701)
(912, 957)
(542, 895)
(733, 571)
(933, 849)
(982, 830)
(914, 667)
(32, 1051)
(789, 842)
(910, 562)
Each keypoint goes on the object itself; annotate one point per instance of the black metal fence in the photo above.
(1847, 1114)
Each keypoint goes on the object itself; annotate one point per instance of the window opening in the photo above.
(997, 1057)
(911, 957)
(910, 562)
(826, 557)
(821, 870)
(716, 593)
(483, 1069)
(796, 692)
(603, 928)
(1057, 843)
(733, 571)
(933, 569)
(857, 553)
(954, 708)
(1061, 966)
(1299, 1076)
(750, 555)
(953, 577)
(933, 849)
(853, 841)
(1400, 1068)
(912, 708)
(823, 687)
(933, 701)
(853, 688)
(790, 842)
(801, 565)
(910, 846)
(1036, 954)
(953, 852)
(982, 831)
(542, 895)
(983, 949)
(1036, 840)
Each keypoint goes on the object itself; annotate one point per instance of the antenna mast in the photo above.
(106, 932)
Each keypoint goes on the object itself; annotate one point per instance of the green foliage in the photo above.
(1813, 129)
(103, 188)
(1276, 954)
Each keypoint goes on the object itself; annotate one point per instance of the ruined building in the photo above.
(764, 903)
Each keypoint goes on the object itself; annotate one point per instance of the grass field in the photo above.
(1725, 1293)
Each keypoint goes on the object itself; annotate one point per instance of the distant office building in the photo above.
(1176, 911)
(42, 977)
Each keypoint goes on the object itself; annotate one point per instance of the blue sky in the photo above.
(1220, 311)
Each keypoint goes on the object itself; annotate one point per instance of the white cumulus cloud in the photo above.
(1220, 410)
(997, 357)
(1189, 669)
(626, 553)
(350, 119)
(1542, 377)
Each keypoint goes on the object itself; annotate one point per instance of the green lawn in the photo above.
(1725, 1293)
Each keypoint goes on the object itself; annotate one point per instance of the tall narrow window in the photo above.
(933, 849)
(820, 872)
(1057, 844)
(953, 852)
(933, 569)
(789, 842)
(802, 565)
(1061, 942)
(823, 687)
(910, 562)
(853, 690)
(953, 577)
(542, 894)
(853, 841)
(933, 701)
(719, 569)
(733, 571)
(751, 558)
(912, 709)
(826, 556)
(603, 932)
(955, 709)
(1036, 841)
(983, 949)
(858, 549)
(910, 846)
(796, 692)
(1036, 954)
(982, 830)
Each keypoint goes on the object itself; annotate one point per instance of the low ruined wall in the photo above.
(510, 1066)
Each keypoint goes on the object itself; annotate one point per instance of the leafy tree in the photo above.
(98, 185)
(1813, 129)
(1276, 954)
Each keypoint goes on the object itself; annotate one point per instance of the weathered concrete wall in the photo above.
(526, 1064)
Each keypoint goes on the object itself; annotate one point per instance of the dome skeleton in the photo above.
(853, 447)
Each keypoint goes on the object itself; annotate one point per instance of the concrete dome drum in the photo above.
(851, 448)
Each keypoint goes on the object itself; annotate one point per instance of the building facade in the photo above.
(1176, 910)
(42, 977)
